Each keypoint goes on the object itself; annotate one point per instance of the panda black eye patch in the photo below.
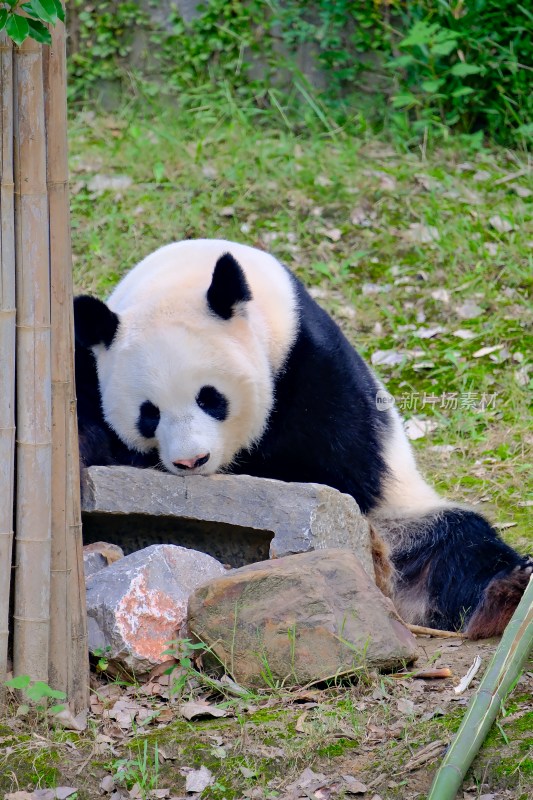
(213, 403)
(148, 421)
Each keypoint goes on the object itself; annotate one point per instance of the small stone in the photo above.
(98, 555)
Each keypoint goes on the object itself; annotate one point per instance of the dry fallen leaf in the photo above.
(124, 712)
(485, 351)
(405, 706)
(107, 784)
(197, 780)
(429, 333)
(334, 234)
(362, 217)
(521, 376)
(417, 427)
(59, 793)
(21, 795)
(419, 233)
(300, 726)
(469, 310)
(209, 171)
(444, 449)
(441, 295)
(464, 334)
(72, 723)
(200, 708)
(112, 183)
(389, 358)
(501, 225)
(482, 175)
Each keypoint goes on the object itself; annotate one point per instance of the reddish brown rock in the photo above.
(299, 619)
(138, 604)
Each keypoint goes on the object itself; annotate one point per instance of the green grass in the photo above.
(338, 211)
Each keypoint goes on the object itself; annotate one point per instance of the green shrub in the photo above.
(426, 66)
(466, 65)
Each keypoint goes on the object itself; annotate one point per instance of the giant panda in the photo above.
(211, 356)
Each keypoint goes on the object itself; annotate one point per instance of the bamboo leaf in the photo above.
(3, 18)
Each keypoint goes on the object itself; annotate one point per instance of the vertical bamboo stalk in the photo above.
(7, 341)
(33, 446)
(68, 657)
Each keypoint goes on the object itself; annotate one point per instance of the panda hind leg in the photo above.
(453, 571)
(499, 602)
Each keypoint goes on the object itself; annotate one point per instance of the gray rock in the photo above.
(93, 563)
(139, 603)
(236, 518)
(99, 555)
(299, 619)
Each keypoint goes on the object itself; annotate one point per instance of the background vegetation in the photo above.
(413, 67)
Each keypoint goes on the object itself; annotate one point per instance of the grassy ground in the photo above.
(382, 738)
(424, 258)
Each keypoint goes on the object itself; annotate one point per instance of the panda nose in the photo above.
(191, 463)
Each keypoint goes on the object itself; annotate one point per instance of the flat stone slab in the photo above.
(238, 519)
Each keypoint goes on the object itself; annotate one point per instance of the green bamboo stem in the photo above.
(502, 672)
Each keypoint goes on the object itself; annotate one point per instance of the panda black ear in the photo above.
(228, 287)
(94, 322)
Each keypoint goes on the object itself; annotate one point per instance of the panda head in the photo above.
(185, 372)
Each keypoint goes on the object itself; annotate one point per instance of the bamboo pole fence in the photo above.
(7, 342)
(31, 618)
(39, 470)
(68, 631)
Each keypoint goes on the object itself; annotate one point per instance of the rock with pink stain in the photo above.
(138, 604)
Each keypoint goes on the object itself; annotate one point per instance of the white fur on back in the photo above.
(405, 489)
